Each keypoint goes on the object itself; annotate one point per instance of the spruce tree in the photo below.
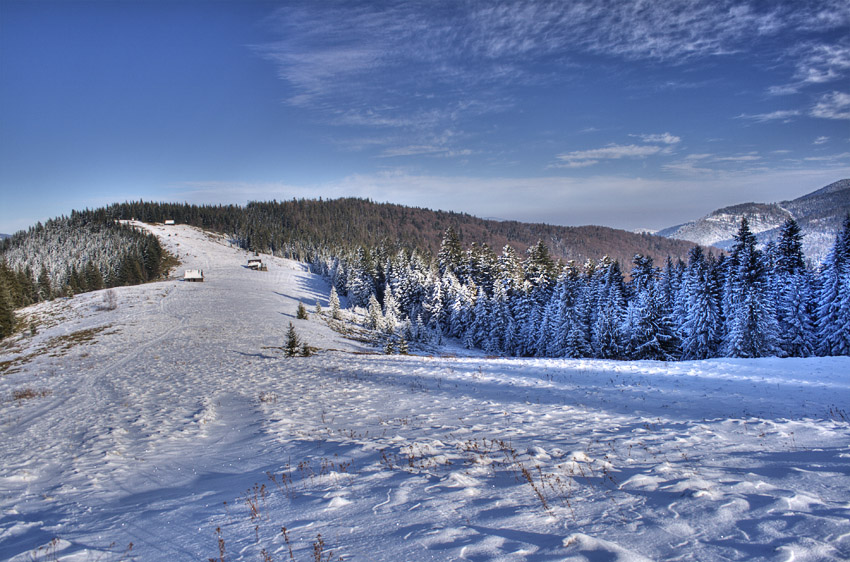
(450, 255)
(607, 338)
(292, 345)
(301, 312)
(702, 325)
(792, 294)
(834, 297)
(392, 315)
(7, 316)
(752, 329)
(45, 289)
(333, 303)
(375, 316)
(653, 336)
(479, 332)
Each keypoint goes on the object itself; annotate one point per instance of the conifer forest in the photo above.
(750, 302)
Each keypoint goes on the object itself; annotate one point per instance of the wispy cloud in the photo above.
(835, 105)
(425, 150)
(740, 158)
(784, 115)
(829, 158)
(664, 138)
(713, 164)
(583, 158)
(816, 63)
(382, 62)
(821, 140)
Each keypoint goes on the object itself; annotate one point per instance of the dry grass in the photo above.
(28, 393)
(56, 347)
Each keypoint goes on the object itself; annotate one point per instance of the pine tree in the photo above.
(301, 312)
(834, 297)
(392, 315)
(434, 305)
(608, 341)
(333, 302)
(523, 313)
(292, 345)
(45, 289)
(93, 277)
(450, 255)
(702, 327)
(479, 332)
(375, 316)
(653, 336)
(361, 277)
(752, 329)
(7, 316)
(499, 315)
(643, 274)
(792, 294)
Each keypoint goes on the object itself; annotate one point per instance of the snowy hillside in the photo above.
(174, 423)
(819, 214)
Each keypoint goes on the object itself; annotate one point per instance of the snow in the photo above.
(177, 414)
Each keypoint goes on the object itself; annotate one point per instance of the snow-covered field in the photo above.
(175, 423)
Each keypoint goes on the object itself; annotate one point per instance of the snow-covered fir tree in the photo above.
(792, 291)
(834, 297)
(702, 328)
(333, 304)
(752, 329)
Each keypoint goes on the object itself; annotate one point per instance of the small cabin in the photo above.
(194, 275)
(256, 264)
(169, 222)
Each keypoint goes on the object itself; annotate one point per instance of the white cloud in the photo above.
(741, 158)
(687, 167)
(829, 158)
(821, 140)
(664, 138)
(336, 55)
(835, 105)
(784, 115)
(817, 63)
(581, 158)
(576, 164)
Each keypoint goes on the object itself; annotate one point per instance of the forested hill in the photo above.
(307, 223)
(68, 255)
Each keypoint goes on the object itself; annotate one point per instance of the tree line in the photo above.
(298, 228)
(749, 303)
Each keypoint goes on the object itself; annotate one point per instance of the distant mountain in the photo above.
(351, 222)
(819, 215)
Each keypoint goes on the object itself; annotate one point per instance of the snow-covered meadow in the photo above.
(175, 423)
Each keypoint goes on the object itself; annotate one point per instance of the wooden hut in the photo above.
(194, 275)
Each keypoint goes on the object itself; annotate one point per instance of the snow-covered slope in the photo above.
(819, 215)
(174, 423)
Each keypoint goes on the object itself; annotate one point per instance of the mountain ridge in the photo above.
(351, 222)
(819, 215)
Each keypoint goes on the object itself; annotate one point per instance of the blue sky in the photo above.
(626, 114)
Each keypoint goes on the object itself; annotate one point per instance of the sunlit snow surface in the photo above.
(177, 414)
